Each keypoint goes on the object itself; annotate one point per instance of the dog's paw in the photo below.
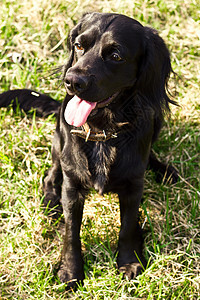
(52, 206)
(131, 270)
(72, 281)
(171, 175)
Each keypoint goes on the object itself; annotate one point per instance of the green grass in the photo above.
(33, 38)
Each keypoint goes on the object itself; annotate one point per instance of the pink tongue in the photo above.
(77, 111)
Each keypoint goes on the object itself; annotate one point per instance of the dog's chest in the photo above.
(100, 160)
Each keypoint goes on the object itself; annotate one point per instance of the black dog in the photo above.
(116, 80)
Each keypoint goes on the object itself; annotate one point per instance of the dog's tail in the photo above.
(29, 99)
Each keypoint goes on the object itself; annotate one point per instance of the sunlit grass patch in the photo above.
(33, 41)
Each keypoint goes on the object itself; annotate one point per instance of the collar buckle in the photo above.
(86, 133)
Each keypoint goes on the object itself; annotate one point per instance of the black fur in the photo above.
(110, 54)
(28, 99)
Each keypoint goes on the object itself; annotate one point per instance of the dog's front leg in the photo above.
(71, 268)
(130, 237)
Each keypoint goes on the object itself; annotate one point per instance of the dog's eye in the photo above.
(78, 47)
(116, 57)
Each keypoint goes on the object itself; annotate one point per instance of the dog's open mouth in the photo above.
(78, 110)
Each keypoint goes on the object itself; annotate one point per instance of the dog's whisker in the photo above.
(55, 71)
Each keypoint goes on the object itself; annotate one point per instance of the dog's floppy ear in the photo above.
(154, 71)
(71, 38)
(70, 45)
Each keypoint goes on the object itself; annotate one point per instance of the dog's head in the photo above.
(111, 53)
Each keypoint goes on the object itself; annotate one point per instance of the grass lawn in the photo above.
(33, 38)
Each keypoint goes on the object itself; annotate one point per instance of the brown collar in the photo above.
(86, 133)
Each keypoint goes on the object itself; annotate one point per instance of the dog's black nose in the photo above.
(76, 83)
